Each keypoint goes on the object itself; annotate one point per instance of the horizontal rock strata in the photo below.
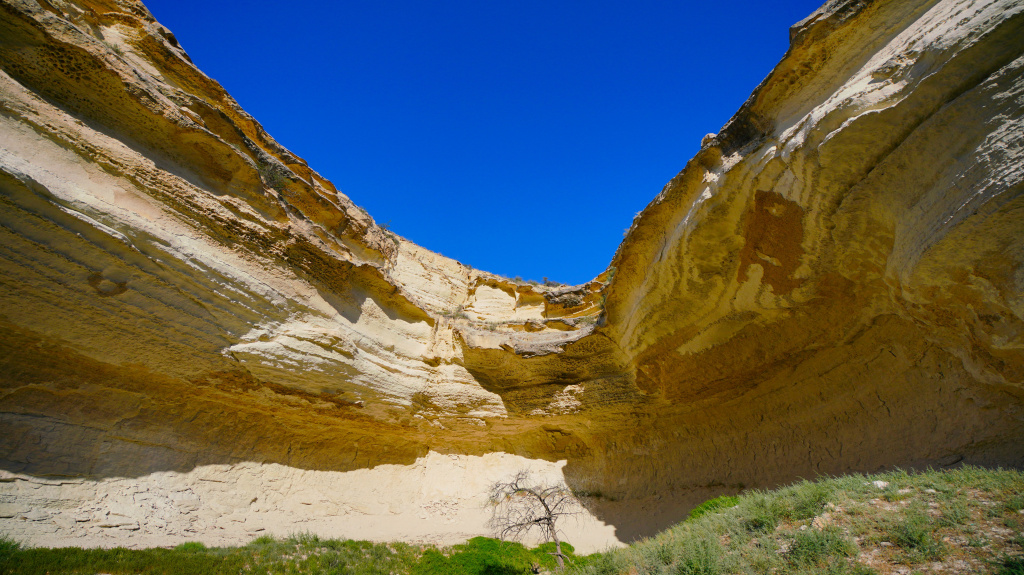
(833, 284)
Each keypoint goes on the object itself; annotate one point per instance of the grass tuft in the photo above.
(954, 513)
(915, 532)
(8, 545)
(191, 547)
(763, 513)
(700, 556)
(715, 504)
(809, 498)
(813, 547)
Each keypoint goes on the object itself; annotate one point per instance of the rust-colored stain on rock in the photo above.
(774, 232)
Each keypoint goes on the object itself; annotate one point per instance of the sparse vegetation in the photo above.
(114, 48)
(965, 520)
(272, 177)
(457, 313)
(568, 299)
(954, 513)
(386, 228)
(611, 275)
(815, 547)
(914, 531)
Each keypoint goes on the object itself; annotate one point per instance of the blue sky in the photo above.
(516, 137)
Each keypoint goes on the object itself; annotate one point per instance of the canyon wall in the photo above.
(832, 284)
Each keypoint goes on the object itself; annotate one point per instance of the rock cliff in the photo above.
(833, 284)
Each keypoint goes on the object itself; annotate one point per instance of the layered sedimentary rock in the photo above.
(832, 284)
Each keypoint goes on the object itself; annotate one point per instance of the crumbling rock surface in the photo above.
(833, 284)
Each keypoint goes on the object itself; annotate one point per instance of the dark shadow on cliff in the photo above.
(886, 398)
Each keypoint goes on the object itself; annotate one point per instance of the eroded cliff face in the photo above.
(832, 284)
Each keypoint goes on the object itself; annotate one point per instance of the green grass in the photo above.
(72, 560)
(762, 513)
(486, 556)
(300, 553)
(954, 513)
(914, 531)
(1011, 566)
(808, 499)
(701, 556)
(713, 505)
(815, 547)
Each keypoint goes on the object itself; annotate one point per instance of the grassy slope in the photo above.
(967, 520)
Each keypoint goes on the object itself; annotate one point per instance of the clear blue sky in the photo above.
(519, 137)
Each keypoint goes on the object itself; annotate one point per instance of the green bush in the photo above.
(8, 545)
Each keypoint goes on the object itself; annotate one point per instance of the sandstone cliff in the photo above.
(834, 283)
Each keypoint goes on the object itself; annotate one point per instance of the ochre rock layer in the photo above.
(833, 284)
